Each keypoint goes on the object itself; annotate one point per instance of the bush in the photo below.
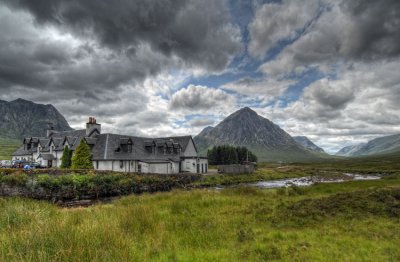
(66, 158)
(16, 179)
(47, 182)
(82, 157)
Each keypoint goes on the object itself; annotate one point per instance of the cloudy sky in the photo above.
(327, 69)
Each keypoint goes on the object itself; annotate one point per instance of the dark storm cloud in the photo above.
(360, 30)
(199, 32)
(377, 28)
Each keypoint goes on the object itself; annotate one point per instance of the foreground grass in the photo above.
(242, 224)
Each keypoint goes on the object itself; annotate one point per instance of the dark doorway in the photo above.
(49, 163)
(198, 168)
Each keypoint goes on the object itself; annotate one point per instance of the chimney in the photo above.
(92, 125)
(50, 130)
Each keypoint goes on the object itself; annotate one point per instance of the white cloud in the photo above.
(361, 104)
(201, 99)
(265, 90)
(277, 21)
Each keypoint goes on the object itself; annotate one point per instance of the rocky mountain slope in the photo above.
(21, 118)
(381, 145)
(349, 150)
(307, 143)
(264, 138)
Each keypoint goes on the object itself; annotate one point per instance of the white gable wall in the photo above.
(190, 150)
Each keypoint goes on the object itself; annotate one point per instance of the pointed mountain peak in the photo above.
(244, 112)
(246, 109)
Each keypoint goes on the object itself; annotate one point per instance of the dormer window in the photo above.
(129, 148)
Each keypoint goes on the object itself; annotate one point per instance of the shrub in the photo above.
(16, 179)
(66, 158)
(47, 181)
(82, 158)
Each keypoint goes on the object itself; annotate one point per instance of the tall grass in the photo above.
(202, 225)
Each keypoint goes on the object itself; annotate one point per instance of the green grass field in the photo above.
(352, 221)
(7, 147)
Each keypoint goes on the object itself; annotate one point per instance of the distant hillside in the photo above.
(307, 143)
(7, 147)
(264, 138)
(21, 118)
(349, 150)
(381, 145)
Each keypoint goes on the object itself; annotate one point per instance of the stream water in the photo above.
(310, 180)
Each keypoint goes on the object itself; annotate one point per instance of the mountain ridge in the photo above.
(307, 143)
(379, 145)
(23, 118)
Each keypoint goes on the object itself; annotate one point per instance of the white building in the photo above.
(166, 155)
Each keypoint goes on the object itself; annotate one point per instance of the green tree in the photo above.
(66, 158)
(227, 155)
(82, 158)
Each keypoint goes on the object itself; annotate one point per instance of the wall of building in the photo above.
(190, 150)
(203, 165)
(27, 157)
(132, 166)
(189, 165)
(195, 165)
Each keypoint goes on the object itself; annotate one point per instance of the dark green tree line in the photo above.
(227, 155)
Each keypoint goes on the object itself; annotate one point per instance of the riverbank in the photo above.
(72, 187)
(83, 188)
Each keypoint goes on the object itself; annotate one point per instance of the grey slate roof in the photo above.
(115, 147)
(44, 142)
(22, 152)
(47, 156)
(72, 133)
(105, 148)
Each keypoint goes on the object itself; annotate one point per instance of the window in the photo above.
(187, 164)
(97, 164)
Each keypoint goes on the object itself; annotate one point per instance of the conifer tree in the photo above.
(227, 155)
(82, 158)
(66, 158)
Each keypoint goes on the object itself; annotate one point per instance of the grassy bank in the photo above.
(270, 171)
(86, 185)
(243, 224)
